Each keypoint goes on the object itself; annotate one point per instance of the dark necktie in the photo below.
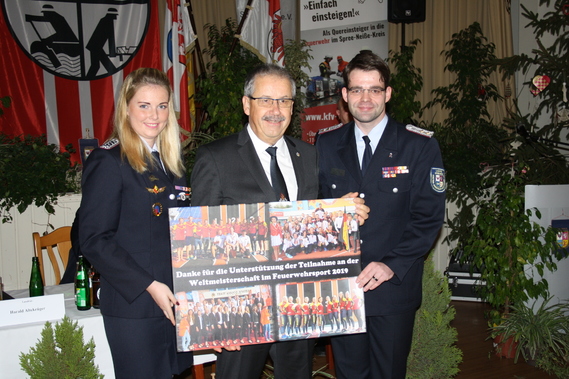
(277, 179)
(156, 156)
(367, 155)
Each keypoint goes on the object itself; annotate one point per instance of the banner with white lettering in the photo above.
(258, 273)
(336, 31)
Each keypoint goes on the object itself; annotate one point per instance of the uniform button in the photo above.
(395, 190)
(333, 186)
(172, 196)
(362, 195)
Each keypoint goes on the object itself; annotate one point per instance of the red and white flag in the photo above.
(63, 63)
(262, 32)
(179, 41)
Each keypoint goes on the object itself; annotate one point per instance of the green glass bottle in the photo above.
(36, 282)
(82, 287)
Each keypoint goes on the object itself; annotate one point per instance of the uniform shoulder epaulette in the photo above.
(110, 144)
(330, 128)
(417, 130)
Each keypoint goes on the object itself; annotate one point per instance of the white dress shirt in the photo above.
(374, 137)
(283, 159)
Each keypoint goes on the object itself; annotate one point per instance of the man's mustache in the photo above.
(280, 118)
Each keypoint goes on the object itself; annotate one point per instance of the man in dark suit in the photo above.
(236, 170)
(402, 178)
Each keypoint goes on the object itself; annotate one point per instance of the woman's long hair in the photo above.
(133, 148)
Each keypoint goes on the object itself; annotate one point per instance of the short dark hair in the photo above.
(367, 61)
(264, 70)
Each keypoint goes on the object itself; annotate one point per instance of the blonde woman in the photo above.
(124, 227)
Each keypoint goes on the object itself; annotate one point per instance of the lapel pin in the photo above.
(156, 209)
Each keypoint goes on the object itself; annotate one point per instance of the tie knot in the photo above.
(272, 150)
(366, 139)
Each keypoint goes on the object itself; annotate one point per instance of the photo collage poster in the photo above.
(258, 273)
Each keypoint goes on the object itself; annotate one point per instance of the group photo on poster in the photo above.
(257, 273)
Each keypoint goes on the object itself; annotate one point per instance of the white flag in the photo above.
(180, 39)
(262, 32)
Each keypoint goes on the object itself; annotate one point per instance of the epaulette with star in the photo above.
(417, 130)
(110, 144)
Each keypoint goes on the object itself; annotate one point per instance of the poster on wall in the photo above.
(258, 273)
(562, 226)
(336, 31)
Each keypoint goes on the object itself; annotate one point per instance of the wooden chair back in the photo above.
(60, 238)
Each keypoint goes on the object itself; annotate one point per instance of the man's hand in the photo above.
(165, 299)
(373, 275)
(362, 210)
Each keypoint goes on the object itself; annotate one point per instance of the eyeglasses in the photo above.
(265, 102)
(357, 91)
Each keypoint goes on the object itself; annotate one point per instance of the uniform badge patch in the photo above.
(157, 209)
(156, 190)
(438, 181)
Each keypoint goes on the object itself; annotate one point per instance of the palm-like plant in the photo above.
(537, 331)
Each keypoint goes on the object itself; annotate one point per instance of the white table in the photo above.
(18, 339)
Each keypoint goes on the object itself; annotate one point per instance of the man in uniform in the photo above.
(324, 67)
(399, 170)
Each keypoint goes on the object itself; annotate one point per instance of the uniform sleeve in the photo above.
(99, 217)
(427, 208)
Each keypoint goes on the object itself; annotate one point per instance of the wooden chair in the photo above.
(201, 358)
(61, 238)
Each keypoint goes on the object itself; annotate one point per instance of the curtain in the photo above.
(211, 12)
(443, 19)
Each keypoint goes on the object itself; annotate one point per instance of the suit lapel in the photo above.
(249, 156)
(296, 158)
(348, 151)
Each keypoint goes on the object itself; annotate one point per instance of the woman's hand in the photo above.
(165, 299)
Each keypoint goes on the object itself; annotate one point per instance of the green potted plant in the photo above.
(61, 353)
(33, 172)
(407, 81)
(297, 55)
(507, 245)
(536, 330)
(555, 363)
(433, 352)
(220, 88)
